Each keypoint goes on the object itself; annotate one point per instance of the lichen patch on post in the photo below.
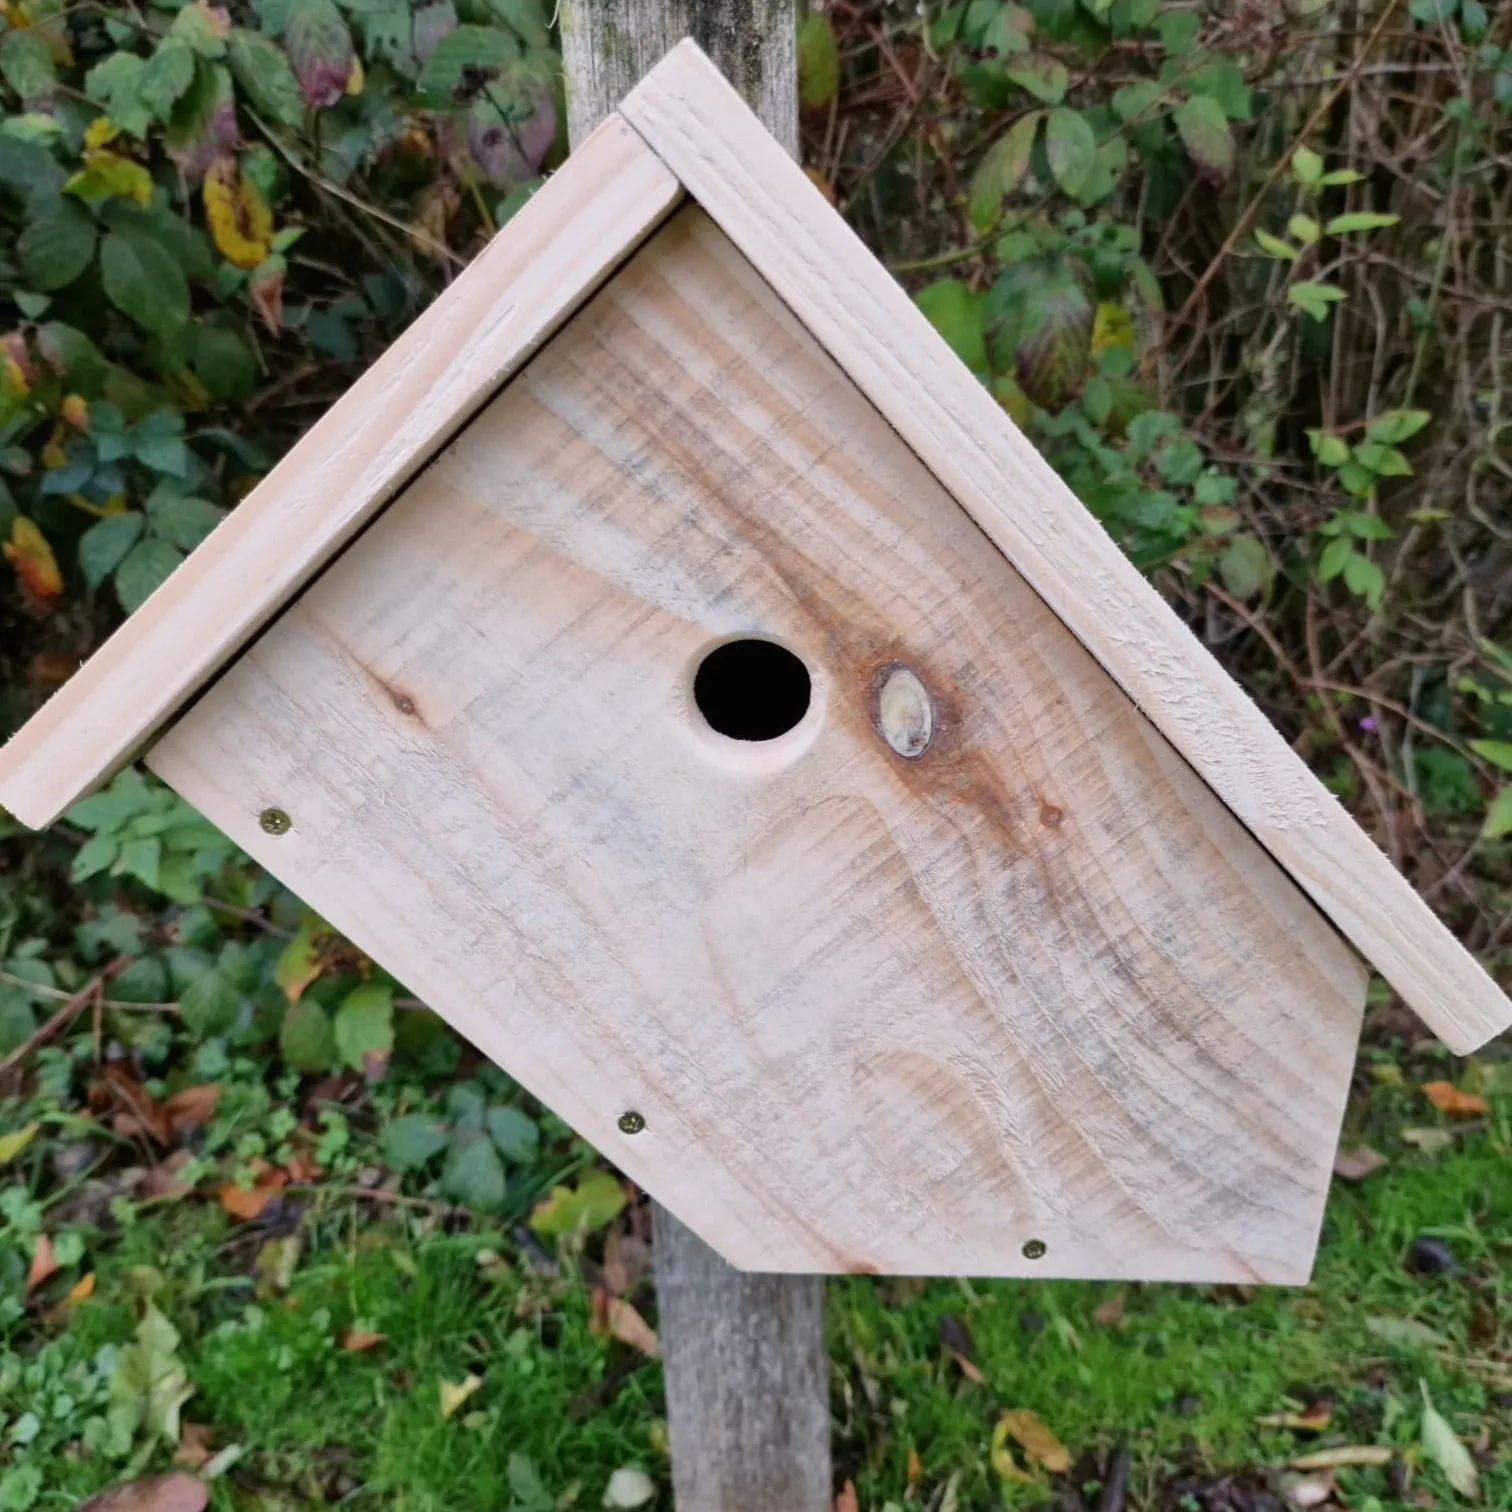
(904, 713)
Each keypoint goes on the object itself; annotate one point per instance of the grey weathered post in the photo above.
(747, 1387)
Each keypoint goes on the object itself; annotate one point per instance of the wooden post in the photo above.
(747, 1374)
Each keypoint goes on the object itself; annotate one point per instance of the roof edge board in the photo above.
(553, 255)
(692, 118)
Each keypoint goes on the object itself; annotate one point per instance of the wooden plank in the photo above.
(586, 219)
(747, 1381)
(763, 201)
(609, 45)
(877, 1012)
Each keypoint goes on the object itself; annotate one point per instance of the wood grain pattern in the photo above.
(879, 1013)
(536, 272)
(742, 178)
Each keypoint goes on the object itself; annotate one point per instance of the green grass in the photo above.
(1183, 1375)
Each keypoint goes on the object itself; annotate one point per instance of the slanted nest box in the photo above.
(673, 665)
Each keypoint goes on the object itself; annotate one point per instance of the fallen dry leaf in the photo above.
(1358, 1162)
(163, 1180)
(1429, 1141)
(956, 1338)
(152, 1493)
(1036, 1440)
(82, 1288)
(454, 1393)
(627, 1261)
(191, 1109)
(357, 1340)
(247, 1203)
(1108, 1314)
(1313, 1420)
(915, 1468)
(42, 1263)
(1001, 1456)
(137, 1112)
(194, 1451)
(1346, 1455)
(619, 1319)
(1450, 1100)
(847, 1501)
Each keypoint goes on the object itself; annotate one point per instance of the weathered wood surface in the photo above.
(554, 253)
(608, 46)
(866, 322)
(880, 1013)
(747, 1381)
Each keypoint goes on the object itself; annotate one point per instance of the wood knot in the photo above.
(1051, 815)
(403, 702)
(902, 710)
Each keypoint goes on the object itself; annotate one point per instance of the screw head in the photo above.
(275, 822)
(632, 1122)
(1034, 1249)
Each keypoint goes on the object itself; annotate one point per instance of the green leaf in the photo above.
(1273, 246)
(1360, 220)
(27, 65)
(142, 279)
(408, 1142)
(167, 77)
(263, 71)
(320, 51)
(515, 1133)
(1314, 298)
(364, 1028)
(149, 1384)
(223, 362)
(1431, 12)
(117, 85)
(957, 313)
(305, 1040)
(818, 61)
(1071, 148)
(1334, 558)
(596, 1201)
(1001, 171)
(140, 858)
(1383, 461)
(103, 547)
(1340, 176)
(467, 1107)
(1307, 166)
(1440, 1443)
(210, 1005)
(1499, 816)
(1357, 479)
(1132, 100)
(1331, 451)
(57, 243)
(1406, 1333)
(1204, 132)
(473, 1173)
(148, 564)
(1040, 315)
(1497, 752)
(185, 521)
(1304, 228)
(1245, 567)
(1397, 426)
(1365, 580)
(202, 28)
(1046, 78)
(461, 60)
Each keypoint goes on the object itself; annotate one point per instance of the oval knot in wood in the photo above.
(905, 712)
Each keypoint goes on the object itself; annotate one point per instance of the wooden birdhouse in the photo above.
(673, 665)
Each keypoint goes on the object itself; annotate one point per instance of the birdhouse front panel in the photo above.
(682, 741)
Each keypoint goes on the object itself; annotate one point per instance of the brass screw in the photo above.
(632, 1122)
(275, 821)
(1034, 1249)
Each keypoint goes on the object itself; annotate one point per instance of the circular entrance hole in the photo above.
(751, 689)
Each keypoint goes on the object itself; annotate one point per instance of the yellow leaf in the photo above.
(1001, 1455)
(355, 79)
(31, 556)
(454, 1393)
(82, 1288)
(11, 1145)
(107, 175)
(241, 224)
(99, 132)
(13, 380)
(1112, 326)
(1042, 1446)
(75, 410)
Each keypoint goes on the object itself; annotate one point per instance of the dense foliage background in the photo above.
(1241, 268)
